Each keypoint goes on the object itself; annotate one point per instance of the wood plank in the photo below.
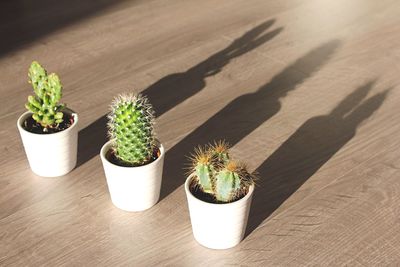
(307, 92)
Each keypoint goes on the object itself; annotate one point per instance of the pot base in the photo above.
(228, 221)
(53, 154)
(133, 188)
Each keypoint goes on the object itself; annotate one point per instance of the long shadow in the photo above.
(244, 114)
(175, 88)
(24, 21)
(307, 150)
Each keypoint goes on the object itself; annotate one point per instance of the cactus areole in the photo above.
(216, 178)
(48, 114)
(131, 127)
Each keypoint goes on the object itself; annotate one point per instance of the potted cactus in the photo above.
(133, 158)
(220, 188)
(48, 129)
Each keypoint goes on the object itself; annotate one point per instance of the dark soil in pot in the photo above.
(32, 126)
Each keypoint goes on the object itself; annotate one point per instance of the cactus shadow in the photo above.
(244, 114)
(25, 21)
(307, 150)
(173, 89)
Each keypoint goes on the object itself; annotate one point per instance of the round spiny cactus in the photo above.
(48, 89)
(214, 173)
(131, 126)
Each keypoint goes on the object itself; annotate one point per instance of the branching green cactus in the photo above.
(215, 173)
(48, 89)
(131, 126)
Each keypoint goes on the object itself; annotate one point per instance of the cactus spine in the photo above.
(48, 91)
(131, 126)
(215, 173)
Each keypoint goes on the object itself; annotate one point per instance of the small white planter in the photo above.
(50, 155)
(218, 226)
(133, 188)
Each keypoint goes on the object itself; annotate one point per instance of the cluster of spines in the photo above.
(215, 173)
(48, 91)
(131, 126)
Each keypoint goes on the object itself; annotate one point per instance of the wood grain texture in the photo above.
(307, 92)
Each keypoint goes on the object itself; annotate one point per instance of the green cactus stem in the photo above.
(228, 183)
(214, 173)
(220, 152)
(48, 91)
(131, 126)
(203, 169)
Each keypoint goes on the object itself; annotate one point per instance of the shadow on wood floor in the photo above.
(243, 115)
(24, 21)
(175, 88)
(307, 150)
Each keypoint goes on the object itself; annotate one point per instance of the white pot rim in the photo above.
(24, 115)
(106, 147)
(230, 204)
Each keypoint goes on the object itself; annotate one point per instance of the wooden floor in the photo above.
(307, 92)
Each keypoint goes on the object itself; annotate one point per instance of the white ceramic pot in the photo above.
(50, 155)
(133, 188)
(218, 226)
